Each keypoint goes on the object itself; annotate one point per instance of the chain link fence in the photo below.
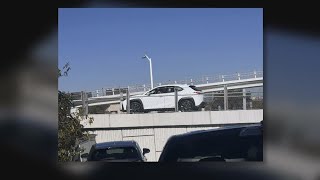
(235, 100)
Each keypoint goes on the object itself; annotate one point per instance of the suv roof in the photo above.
(115, 144)
(180, 85)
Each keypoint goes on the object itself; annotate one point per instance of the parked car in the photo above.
(117, 151)
(162, 98)
(228, 144)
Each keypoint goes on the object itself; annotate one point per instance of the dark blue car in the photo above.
(117, 151)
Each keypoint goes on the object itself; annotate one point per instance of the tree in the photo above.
(69, 127)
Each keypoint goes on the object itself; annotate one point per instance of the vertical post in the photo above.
(83, 103)
(225, 97)
(97, 92)
(121, 99)
(176, 99)
(250, 104)
(128, 101)
(207, 80)
(238, 76)
(151, 76)
(103, 94)
(86, 104)
(255, 74)
(191, 82)
(144, 87)
(222, 78)
(121, 94)
(244, 100)
(112, 91)
(84, 99)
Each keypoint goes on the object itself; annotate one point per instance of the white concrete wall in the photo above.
(153, 130)
(174, 119)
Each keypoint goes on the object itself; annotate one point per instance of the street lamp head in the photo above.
(145, 56)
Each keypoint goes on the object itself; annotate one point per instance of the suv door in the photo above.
(154, 99)
(169, 98)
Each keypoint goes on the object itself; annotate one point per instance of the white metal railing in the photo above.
(192, 81)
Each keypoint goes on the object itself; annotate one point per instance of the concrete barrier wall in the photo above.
(153, 130)
(104, 121)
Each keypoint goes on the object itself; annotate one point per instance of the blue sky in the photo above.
(104, 45)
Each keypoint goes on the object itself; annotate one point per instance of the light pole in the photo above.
(150, 62)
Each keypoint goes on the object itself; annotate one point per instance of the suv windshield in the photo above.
(114, 153)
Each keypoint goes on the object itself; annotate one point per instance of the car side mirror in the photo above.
(145, 151)
(85, 155)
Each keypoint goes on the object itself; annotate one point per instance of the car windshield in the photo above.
(115, 153)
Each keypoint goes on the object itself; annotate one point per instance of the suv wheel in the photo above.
(136, 106)
(186, 105)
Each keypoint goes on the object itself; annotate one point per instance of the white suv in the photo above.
(162, 98)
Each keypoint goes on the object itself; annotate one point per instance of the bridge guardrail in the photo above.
(191, 81)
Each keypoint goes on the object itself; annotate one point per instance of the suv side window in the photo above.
(170, 89)
(162, 90)
(154, 91)
(179, 88)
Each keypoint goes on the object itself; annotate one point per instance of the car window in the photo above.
(162, 90)
(170, 89)
(194, 88)
(114, 153)
(154, 91)
(159, 90)
(179, 88)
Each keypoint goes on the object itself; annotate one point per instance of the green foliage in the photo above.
(69, 127)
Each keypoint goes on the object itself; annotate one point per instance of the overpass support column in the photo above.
(244, 100)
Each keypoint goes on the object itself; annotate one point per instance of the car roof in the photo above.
(200, 132)
(115, 144)
(180, 85)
